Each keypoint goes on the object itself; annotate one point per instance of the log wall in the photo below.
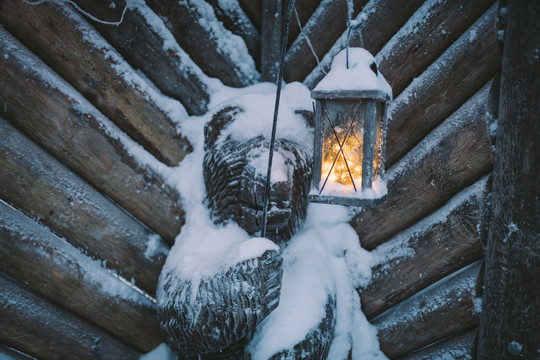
(76, 201)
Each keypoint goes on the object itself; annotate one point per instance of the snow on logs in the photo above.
(42, 329)
(379, 21)
(446, 308)
(59, 272)
(144, 41)
(53, 114)
(446, 84)
(235, 190)
(34, 181)
(216, 50)
(450, 158)
(440, 244)
(7, 353)
(427, 34)
(98, 72)
(459, 347)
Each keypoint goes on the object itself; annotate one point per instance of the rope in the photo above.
(92, 17)
(274, 124)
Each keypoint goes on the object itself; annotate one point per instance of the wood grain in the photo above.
(452, 157)
(45, 189)
(145, 49)
(57, 117)
(199, 35)
(73, 49)
(452, 79)
(440, 244)
(51, 267)
(46, 331)
(459, 347)
(444, 309)
(427, 34)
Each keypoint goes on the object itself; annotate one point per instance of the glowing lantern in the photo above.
(350, 129)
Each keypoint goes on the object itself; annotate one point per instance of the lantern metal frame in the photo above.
(370, 98)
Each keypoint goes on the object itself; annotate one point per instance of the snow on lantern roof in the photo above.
(362, 75)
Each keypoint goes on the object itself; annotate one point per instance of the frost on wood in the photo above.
(206, 316)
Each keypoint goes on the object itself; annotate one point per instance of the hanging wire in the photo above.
(87, 14)
(308, 40)
(350, 26)
(274, 124)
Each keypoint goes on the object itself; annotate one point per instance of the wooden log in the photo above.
(450, 158)
(379, 21)
(439, 245)
(510, 324)
(144, 41)
(236, 21)
(61, 120)
(456, 348)
(427, 34)
(235, 189)
(84, 59)
(271, 34)
(34, 181)
(253, 9)
(46, 331)
(305, 9)
(456, 75)
(217, 51)
(7, 353)
(323, 28)
(56, 270)
(444, 309)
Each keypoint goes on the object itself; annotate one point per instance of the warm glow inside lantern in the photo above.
(350, 128)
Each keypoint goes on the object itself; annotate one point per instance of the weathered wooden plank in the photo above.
(7, 353)
(439, 245)
(427, 34)
(83, 58)
(34, 181)
(271, 34)
(51, 267)
(142, 41)
(46, 331)
(450, 158)
(510, 324)
(452, 79)
(323, 28)
(217, 51)
(305, 9)
(56, 116)
(253, 9)
(456, 348)
(236, 21)
(379, 21)
(442, 310)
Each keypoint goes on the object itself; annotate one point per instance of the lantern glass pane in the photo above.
(342, 146)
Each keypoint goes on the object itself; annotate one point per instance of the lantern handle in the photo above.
(355, 25)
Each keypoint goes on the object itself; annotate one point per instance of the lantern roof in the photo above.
(362, 79)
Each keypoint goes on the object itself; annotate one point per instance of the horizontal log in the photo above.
(323, 28)
(144, 41)
(444, 309)
(236, 21)
(53, 114)
(450, 158)
(217, 51)
(393, 14)
(56, 270)
(452, 79)
(32, 180)
(437, 246)
(7, 353)
(458, 347)
(427, 34)
(84, 59)
(46, 331)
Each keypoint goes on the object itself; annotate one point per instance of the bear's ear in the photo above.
(373, 67)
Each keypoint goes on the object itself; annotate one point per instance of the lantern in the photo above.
(350, 129)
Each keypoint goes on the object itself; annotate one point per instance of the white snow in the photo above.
(359, 75)
(161, 352)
